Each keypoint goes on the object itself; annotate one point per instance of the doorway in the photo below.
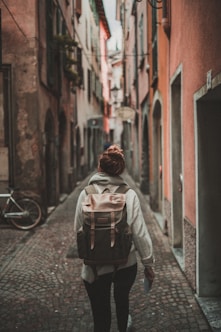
(78, 154)
(157, 159)
(176, 164)
(50, 161)
(63, 171)
(209, 194)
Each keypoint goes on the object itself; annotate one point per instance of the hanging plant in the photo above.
(72, 75)
(65, 42)
(67, 45)
(70, 61)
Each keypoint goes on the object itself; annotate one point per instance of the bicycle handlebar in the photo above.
(12, 189)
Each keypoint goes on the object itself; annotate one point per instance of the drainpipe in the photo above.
(0, 38)
(123, 19)
(136, 55)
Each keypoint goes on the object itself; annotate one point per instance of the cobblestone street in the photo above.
(41, 288)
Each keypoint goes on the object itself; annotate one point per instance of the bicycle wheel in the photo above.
(32, 217)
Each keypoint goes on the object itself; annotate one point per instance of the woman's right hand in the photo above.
(149, 274)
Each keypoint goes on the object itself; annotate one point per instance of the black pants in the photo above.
(99, 293)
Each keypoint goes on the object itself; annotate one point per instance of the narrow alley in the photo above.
(41, 288)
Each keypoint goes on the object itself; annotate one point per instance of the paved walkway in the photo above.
(41, 289)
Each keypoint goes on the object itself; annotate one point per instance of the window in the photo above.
(80, 67)
(86, 32)
(89, 85)
(50, 51)
(135, 66)
(141, 26)
(78, 8)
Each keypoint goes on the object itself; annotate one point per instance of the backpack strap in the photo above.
(90, 189)
(122, 189)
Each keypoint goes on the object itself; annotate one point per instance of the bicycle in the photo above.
(22, 212)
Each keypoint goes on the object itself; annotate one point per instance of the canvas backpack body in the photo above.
(105, 238)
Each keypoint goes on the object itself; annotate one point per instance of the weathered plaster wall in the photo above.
(20, 51)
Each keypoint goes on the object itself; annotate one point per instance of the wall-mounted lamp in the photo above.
(157, 4)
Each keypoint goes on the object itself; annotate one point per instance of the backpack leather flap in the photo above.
(104, 202)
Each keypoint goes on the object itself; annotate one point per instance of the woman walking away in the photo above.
(99, 279)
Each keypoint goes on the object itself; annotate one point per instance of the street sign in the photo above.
(126, 113)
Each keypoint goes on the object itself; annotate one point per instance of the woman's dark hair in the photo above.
(112, 161)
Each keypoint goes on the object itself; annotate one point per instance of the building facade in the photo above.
(52, 94)
(91, 33)
(194, 85)
(172, 72)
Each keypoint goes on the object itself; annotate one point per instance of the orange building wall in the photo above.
(195, 47)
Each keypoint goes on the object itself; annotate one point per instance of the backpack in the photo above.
(105, 238)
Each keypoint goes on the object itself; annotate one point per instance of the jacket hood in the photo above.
(104, 179)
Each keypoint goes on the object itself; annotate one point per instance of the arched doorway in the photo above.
(144, 186)
(157, 191)
(50, 164)
(63, 185)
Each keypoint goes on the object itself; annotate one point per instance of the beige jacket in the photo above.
(141, 238)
